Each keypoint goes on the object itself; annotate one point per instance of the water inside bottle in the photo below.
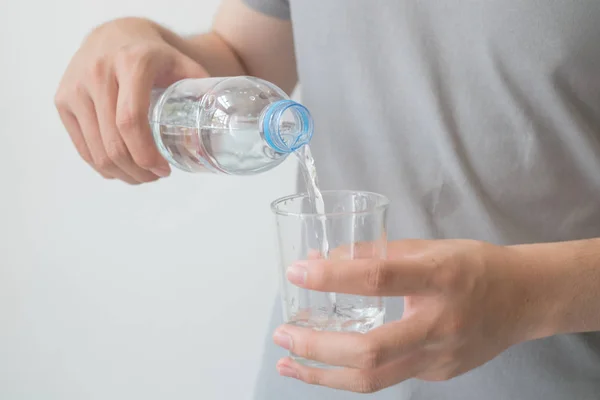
(224, 143)
(233, 151)
(343, 312)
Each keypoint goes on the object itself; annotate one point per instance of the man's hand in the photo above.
(104, 96)
(465, 302)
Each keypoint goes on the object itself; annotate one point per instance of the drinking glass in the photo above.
(353, 226)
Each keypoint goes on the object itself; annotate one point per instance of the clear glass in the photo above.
(355, 228)
(235, 125)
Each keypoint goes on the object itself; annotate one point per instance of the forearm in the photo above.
(209, 50)
(243, 42)
(564, 279)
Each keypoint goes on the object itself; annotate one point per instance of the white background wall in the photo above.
(109, 291)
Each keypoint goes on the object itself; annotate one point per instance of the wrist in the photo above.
(539, 300)
(562, 281)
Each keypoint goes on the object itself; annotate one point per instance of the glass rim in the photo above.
(381, 205)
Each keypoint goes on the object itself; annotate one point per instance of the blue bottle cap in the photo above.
(287, 126)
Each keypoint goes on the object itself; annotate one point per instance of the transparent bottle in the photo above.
(236, 125)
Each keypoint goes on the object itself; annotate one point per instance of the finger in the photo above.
(70, 122)
(134, 101)
(354, 350)
(132, 120)
(105, 98)
(367, 276)
(375, 249)
(354, 380)
(88, 121)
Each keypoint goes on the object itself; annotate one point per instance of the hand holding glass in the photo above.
(352, 227)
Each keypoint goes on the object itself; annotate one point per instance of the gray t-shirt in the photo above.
(478, 119)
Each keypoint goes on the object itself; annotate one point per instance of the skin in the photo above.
(465, 301)
(104, 95)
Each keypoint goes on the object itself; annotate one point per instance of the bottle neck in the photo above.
(286, 126)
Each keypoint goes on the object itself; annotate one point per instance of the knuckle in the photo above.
(129, 122)
(116, 151)
(307, 347)
(146, 159)
(371, 355)
(68, 94)
(83, 153)
(367, 383)
(86, 157)
(60, 99)
(79, 90)
(125, 56)
(104, 164)
(377, 276)
(313, 378)
(133, 55)
(98, 71)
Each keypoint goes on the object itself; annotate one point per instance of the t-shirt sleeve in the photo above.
(275, 8)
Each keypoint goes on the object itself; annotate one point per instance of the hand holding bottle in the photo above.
(104, 96)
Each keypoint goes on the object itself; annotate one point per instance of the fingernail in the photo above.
(287, 371)
(297, 273)
(163, 172)
(282, 339)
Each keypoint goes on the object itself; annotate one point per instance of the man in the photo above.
(479, 120)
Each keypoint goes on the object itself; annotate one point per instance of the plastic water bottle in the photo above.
(236, 125)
